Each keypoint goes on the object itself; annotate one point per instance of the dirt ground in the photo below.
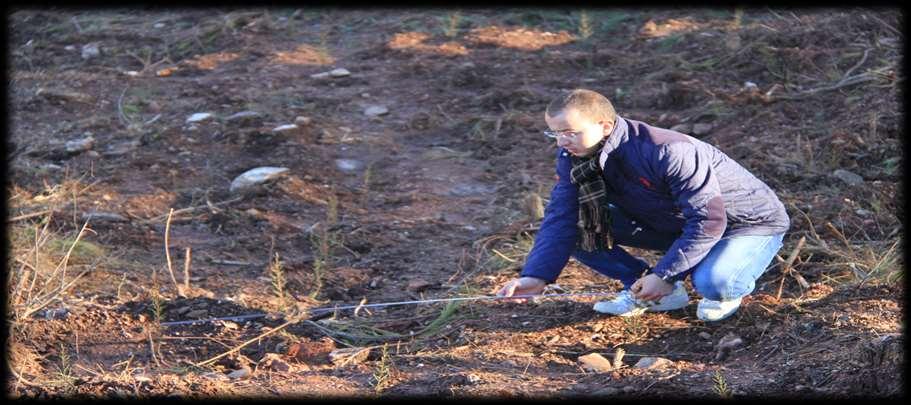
(435, 198)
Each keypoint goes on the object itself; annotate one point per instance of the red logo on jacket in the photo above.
(646, 183)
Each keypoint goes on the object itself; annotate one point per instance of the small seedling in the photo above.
(720, 385)
(277, 274)
(383, 371)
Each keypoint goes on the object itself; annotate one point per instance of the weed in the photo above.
(322, 240)
(155, 295)
(720, 386)
(452, 24)
(65, 370)
(585, 26)
(383, 371)
(277, 274)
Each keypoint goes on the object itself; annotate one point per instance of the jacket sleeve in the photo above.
(694, 186)
(556, 240)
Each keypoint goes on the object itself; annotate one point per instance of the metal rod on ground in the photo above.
(386, 304)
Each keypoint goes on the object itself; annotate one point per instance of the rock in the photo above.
(50, 167)
(862, 212)
(652, 363)
(243, 116)
(55, 313)
(256, 176)
(97, 216)
(683, 128)
(198, 313)
(705, 335)
(727, 344)
(214, 376)
(850, 178)
(376, 111)
(120, 149)
(340, 72)
(750, 87)
(240, 373)
(158, 25)
(90, 51)
(69, 48)
(199, 117)
(418, 285)
(63, 96)
(730, 341)
(79, 145)
(628, 389)
(131, 73)
(349, 355)
(702, 129)
(606, 392)
(348, 165)
(303, 121)
(273, 362)
(596, 362)
(183, 310)
(92, 154)
(142, 378)
(284, 128)
(324, 75)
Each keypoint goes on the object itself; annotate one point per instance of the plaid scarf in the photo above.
(594, 215)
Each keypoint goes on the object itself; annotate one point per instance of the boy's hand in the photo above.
(651, 288)
(522, 286)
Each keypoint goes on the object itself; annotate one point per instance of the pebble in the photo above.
(376, 111)
(750, 86)
(214, 376)
(158, 25)
(862, 212)
(50, 167)
(651, 363)
(702, 129)
(131, 73)
(240, 373)
(70, 48)
(340, 72)
(283, 128)
(323, 75)
(103, 217)
(348, 165)
(142, 378)
(705, 335)
(597, 362)
(121, 148)
(92, 154)
(199, 117)
(628, 389)
(90, 51)
(301, 120)
(850, 178)
(418, 285)
(682, 128)
(256, 176)
(730, 341)
(243, 116)
(273, 362)
(349, 355)
(80, 145)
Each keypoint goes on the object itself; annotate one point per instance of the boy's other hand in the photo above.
(522, 286)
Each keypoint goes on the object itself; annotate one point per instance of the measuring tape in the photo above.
(387, 304)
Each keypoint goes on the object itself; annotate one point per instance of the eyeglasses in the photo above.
(565, 134)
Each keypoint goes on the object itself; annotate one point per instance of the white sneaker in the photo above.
(625, 305)
(709, 310)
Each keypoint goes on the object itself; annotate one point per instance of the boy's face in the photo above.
(576, 133)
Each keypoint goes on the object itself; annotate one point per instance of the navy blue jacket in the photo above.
(669, 181)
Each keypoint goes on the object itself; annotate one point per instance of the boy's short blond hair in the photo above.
(590, 104)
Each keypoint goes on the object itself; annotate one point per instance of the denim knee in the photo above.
(713, 286)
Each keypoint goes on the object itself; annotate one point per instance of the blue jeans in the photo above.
(729, 271)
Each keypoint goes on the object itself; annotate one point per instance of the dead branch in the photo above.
(193, 209)
(167, 253)
(786, 268)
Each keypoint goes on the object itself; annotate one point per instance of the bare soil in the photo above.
(437, 191)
